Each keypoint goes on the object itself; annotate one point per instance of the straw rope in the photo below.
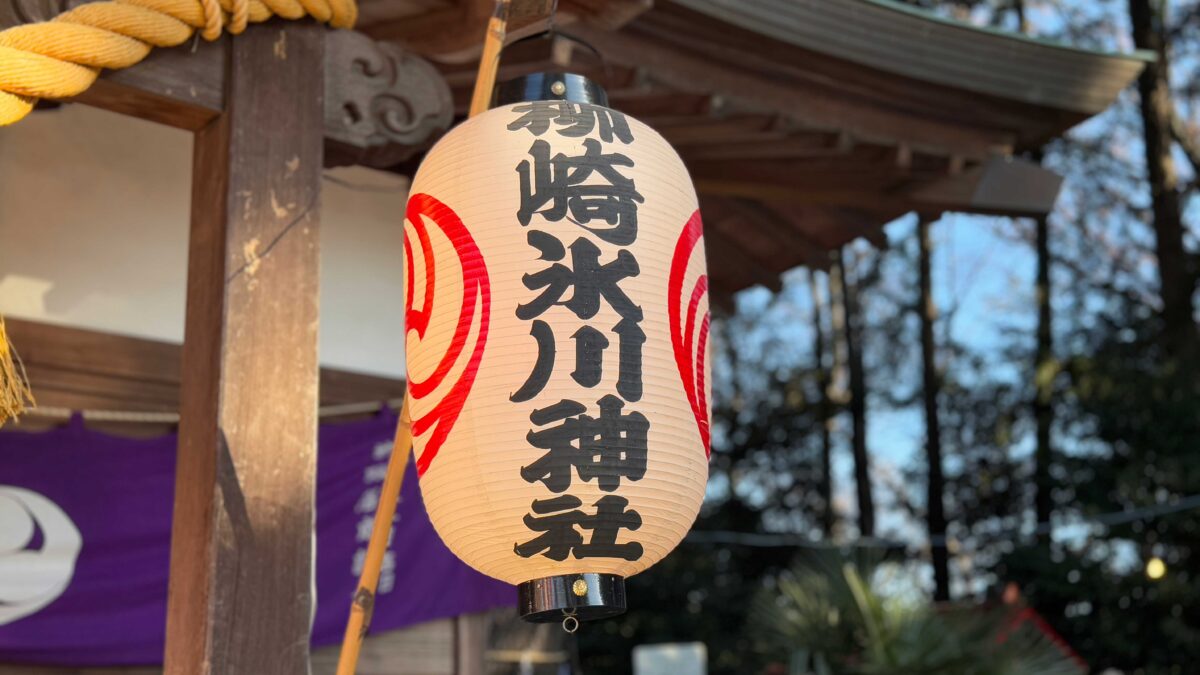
(62, 57)
(14, 385)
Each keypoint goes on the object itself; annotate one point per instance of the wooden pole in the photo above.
(364, 598)
(489, 62)
(240, 599)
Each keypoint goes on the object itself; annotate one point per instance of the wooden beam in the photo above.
(884, 182)
(241, 591)
(680, 130)
(771, 146)
(747, 252)
(451, 35)
(526, 57)
(609, 14)
(181, 87)
(728, 261)
(647, 103)
(374, 11)
(790, 236)
(865, 164)
(702, 70)
(383, 104)
(74, 368)
(1001, 186)
(455, 35)
(826, 78)
(835, 226)
(868, 197)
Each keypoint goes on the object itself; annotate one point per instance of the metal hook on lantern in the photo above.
(570, 623)
(553, 32)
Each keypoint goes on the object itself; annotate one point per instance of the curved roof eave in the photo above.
(891, 37)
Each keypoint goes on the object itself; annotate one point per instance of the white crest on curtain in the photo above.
(31, 578)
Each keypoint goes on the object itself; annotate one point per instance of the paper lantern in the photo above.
(557, 325)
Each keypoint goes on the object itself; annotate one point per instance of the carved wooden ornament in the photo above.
(382, 104)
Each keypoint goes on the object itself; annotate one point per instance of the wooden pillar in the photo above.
(470, 643)
(241, 590)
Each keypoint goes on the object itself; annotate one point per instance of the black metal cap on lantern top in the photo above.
(550, 87)
(582, 597)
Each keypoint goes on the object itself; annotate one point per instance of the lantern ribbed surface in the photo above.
(557, 324)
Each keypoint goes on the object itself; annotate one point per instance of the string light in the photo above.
(1155, 568)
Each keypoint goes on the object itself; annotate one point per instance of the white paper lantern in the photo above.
(557, 324)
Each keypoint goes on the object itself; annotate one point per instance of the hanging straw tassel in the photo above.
(385, 513)
(15, 395)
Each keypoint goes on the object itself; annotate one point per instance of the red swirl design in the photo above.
(476, 295)
(691, 358)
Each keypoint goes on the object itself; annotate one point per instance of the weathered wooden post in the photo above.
(241, 593)
(241, 596)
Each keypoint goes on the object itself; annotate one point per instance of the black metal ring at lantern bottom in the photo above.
(586, 597)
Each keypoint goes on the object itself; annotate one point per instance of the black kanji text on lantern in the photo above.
(557, 519)
(605, 443)
(587, 278)
(606, 448)
(581, 188)
(573, 120)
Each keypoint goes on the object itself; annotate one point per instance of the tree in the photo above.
(1177, 283)
(824, 408)
(1045, 367)
(848, 288)
(935, 505)
(766, 473)
(1044, 372)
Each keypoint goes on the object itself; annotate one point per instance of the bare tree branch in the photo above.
(1188, 142)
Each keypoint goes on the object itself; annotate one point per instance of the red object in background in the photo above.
(1024, 614)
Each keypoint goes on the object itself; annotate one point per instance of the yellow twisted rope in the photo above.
(14, 385)
(61, 58)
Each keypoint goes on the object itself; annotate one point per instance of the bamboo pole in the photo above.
(489, 62)
(364, 598)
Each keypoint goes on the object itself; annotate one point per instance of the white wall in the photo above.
(93, 234)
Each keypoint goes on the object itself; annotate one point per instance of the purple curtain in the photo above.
(85, 522)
